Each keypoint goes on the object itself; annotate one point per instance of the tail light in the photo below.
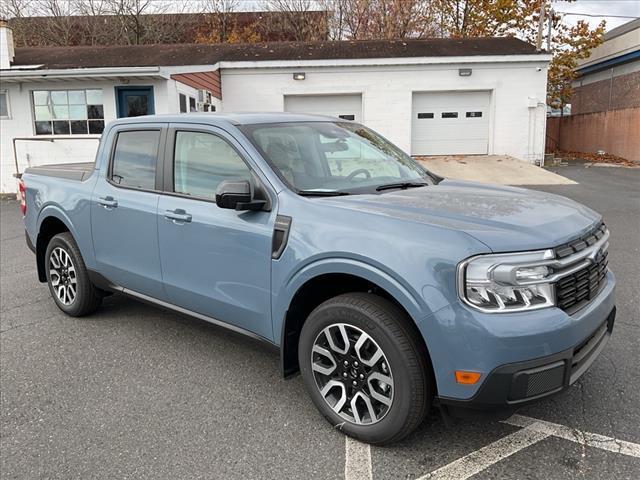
(23, 197)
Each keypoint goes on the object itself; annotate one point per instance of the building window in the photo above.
(68, 112)
(449, 114)
(187, 104)
(423, 115)
(474, 114)
(4, 104)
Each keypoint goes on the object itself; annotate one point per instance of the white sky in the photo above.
(600, 8)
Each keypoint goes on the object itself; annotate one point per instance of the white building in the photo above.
(430, 97)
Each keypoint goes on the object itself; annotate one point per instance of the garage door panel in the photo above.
(445, 123)
(345, 106)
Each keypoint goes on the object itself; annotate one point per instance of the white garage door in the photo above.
(348, 107)
(448, 123)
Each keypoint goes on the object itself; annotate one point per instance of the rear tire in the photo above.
(364, 368)
(68, 278)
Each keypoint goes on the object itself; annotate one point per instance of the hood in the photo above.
(505, 219)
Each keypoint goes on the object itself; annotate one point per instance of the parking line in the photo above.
(357, 461)
(483, 458)
(585, 438)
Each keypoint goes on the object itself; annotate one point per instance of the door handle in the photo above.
(108, 202)
(177, 216)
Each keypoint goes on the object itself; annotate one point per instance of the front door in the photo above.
(124, 210)
(216, 262)
(134, 101)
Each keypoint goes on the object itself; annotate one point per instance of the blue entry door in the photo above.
(134, 101)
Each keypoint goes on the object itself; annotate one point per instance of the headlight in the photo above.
(507, 282)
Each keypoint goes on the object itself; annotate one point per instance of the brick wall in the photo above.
(614, 131)
(620, 92)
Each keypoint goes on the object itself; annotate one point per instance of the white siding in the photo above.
(516, 123)
(62, 150)
(330, 105)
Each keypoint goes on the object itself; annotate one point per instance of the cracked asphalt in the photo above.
(134, 392)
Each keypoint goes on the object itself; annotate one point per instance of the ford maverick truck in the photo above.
(390, 289)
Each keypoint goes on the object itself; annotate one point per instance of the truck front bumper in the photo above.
(512, 385)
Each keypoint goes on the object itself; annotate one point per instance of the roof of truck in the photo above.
(232, 118)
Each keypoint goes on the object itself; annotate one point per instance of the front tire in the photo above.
(364, 368)
(68, 278)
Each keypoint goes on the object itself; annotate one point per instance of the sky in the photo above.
(601, 9)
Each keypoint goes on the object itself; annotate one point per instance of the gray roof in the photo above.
(622, 29)
(226, 118)
(205, 54)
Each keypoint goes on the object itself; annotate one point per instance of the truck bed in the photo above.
(70, 171)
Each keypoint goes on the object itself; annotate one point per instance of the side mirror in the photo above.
(237, 195)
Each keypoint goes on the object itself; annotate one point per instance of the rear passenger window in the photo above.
(135, 158)
(202, 161)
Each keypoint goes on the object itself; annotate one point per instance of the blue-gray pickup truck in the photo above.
(388, 288)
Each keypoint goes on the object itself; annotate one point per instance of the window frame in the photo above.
(168, 187)
(160, 162)
(6, 99)
(63, 135)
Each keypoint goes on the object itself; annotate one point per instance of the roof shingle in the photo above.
(204, 54)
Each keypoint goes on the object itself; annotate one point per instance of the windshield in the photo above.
(345, 157)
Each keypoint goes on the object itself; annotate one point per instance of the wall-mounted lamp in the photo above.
(464, 72)
(299, 76)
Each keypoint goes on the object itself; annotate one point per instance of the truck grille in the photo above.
(582, 242)
(578, 288)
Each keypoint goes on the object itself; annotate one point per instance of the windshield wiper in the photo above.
(322, 193)
(402, 185)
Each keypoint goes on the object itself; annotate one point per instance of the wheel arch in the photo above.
(326, 279)
(51, 222)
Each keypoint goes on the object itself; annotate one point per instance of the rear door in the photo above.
(124, 207)
(215, 262)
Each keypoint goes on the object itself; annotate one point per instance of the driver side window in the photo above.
(202, 161)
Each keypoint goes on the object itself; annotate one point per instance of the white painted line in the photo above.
(357, 461)
(479, 460)
(584, 438)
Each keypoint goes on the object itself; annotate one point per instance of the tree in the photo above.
(379, 19)
(569, 44)
(486, 18)
(220, 21)
(293, 19)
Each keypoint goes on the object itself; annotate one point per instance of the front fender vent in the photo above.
(280, 236)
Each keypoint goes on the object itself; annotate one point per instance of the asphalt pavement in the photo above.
(134, 392)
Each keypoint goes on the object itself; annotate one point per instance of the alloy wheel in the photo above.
(62, 274)
(352, 374)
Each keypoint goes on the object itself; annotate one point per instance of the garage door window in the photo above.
(449, 114)
(425, 115)
(474, 114)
